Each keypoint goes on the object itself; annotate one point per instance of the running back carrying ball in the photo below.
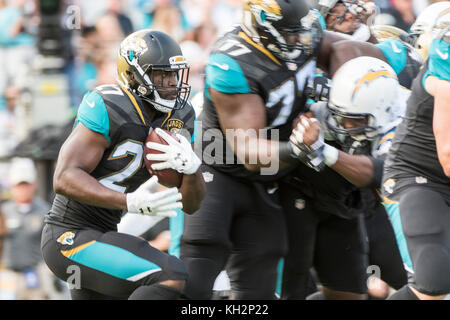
(166, 177)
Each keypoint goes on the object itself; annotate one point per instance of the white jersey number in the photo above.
(126, 148)
(286, 93)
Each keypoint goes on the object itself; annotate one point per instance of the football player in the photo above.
(348, 17)
(416, 185)
(393, 48)
(100, 174)
(325, 207)
(255, 78)
(391, 44)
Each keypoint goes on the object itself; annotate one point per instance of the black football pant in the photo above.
(420, 216)
(384, 255)
(240, 228)
(336, 247)
(109, 265)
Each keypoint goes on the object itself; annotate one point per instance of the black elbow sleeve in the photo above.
(378, 165)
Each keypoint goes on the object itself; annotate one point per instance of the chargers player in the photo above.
(357, 124)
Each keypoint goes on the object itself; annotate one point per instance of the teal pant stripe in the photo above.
(393, 210)
(112, 260)
(176, 225)
(280, 277)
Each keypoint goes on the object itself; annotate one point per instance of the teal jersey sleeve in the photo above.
(395, 53)
(92, 114)
(224, 74)
(438, 61)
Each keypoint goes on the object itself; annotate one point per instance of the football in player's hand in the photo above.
(166, 177)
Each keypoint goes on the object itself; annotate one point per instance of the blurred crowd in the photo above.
(91, 32)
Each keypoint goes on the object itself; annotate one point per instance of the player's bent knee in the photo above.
(175, 269)
(175, 284)
(331, 294)
(431, 267)
(202, 275)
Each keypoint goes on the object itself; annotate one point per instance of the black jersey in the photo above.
(329, 191)
(239, 65)
(413, 152)
(117, 114)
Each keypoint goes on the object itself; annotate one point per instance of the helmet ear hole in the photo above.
(265, 22)
(132, 83)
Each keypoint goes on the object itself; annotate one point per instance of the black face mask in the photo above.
(352, 146)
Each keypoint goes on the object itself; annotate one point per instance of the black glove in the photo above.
(321, 88)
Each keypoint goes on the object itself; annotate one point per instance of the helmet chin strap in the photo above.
(160, 104)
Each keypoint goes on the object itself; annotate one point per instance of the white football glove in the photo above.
(148, 201)
(176, 155)
(315, 155)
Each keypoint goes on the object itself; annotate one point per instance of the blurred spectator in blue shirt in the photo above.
(115, 8)
(164, 15)
(16, 42)
(86, 54)
(12, 31)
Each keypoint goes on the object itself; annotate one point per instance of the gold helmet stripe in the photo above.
(257, 46)
(270, 6)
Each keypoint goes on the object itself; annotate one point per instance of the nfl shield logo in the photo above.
(208, 176)
(300, 204)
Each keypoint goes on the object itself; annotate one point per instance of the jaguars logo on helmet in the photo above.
(143, 54)
(270, 22)
(382, 31)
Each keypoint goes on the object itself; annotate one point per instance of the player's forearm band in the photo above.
(286, 154)
(378, 165)
(330, 155)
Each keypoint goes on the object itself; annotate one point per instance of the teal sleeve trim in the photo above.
(194, 134)
(321, 19)
(439, 62)
(92, 114)
(224, 74)
(395, 53)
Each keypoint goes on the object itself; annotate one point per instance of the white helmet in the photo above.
(428, 24)
(385, 31)
(364, 88)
